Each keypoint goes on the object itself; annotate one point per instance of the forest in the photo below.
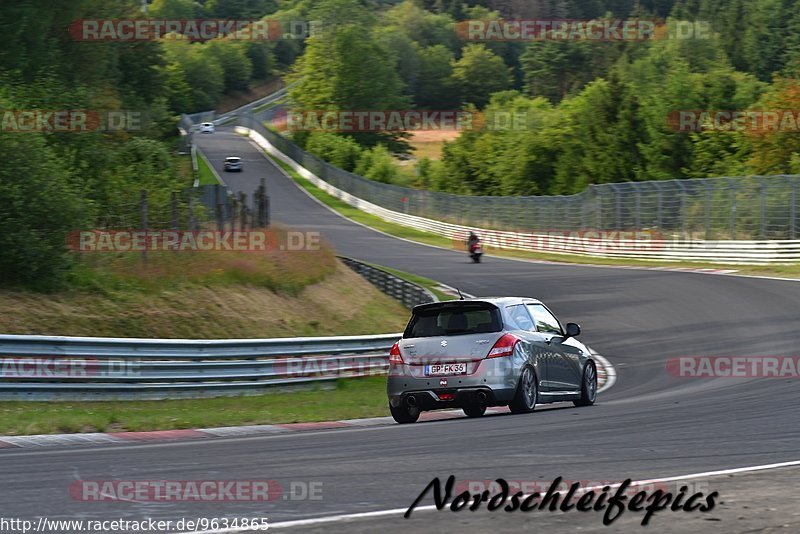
(598, 109)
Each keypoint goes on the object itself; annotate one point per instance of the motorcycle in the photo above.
(475, 252)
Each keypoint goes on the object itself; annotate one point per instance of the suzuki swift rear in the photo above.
(476, 353)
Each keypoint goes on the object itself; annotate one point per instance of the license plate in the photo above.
(441, 369)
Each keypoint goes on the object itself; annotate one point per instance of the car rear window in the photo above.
(454, 320)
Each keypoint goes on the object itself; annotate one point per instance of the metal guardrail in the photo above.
(408, 293)
(253, 108)
(41, 368)
(46, 368)
(729, 208)
(384, 201)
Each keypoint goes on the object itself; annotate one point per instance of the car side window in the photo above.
(545, 321)
(519, 318)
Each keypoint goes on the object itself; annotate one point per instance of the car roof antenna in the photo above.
(460, 296)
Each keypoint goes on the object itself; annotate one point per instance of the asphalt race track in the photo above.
(648, 425)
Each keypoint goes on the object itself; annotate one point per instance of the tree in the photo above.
(340, 151)
(775, 151)
(377, 164)
(434, 90)
(261, 59)
(331, 74)
(404, 55)
(240, 9)
(202, 72)
(764, 40)
(478, 74)
(424, 28)
(172, 9)
(38, 208)
(236, 66)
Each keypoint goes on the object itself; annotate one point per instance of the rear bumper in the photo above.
(496, 379)
(436, 399)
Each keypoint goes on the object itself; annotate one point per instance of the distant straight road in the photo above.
(650, 424)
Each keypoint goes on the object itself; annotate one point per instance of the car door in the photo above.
(520, 319)
(563, 369)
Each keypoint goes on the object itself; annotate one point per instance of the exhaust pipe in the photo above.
(411, 400)
(481, 396)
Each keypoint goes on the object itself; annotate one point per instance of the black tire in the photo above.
(405, 414)
(588, 386)
(474, 410)
(527, 392)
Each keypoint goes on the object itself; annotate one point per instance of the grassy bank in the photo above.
(363, 397)
(786, 271)
(208, 295)
(205, 174)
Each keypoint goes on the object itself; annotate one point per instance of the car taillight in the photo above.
(504, 346)
(394, 354)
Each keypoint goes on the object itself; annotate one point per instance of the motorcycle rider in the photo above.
(472, 241)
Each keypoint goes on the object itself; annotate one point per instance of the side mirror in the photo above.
(573, 330)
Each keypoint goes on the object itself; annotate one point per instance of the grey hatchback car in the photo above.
(476, 353)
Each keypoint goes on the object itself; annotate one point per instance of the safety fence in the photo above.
(669, 231)
(750, 207)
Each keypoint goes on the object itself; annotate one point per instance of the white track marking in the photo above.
(400, 511)
(611, 372)
(633, 267)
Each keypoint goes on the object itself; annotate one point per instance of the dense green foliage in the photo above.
(596, 110)
(53, 183)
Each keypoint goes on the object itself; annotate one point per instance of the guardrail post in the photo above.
(683, 208)
(732, 185)
(218, 208)
(617, 207)
(599, 207)
(762, 187)
(708, 210)
(242, 211)
(192, 222)
(659, 207)
(793, 210)
(234, 212)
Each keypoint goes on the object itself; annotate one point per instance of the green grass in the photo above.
(205, 173)
(786, 271)
(216, 294)
(349, 398)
